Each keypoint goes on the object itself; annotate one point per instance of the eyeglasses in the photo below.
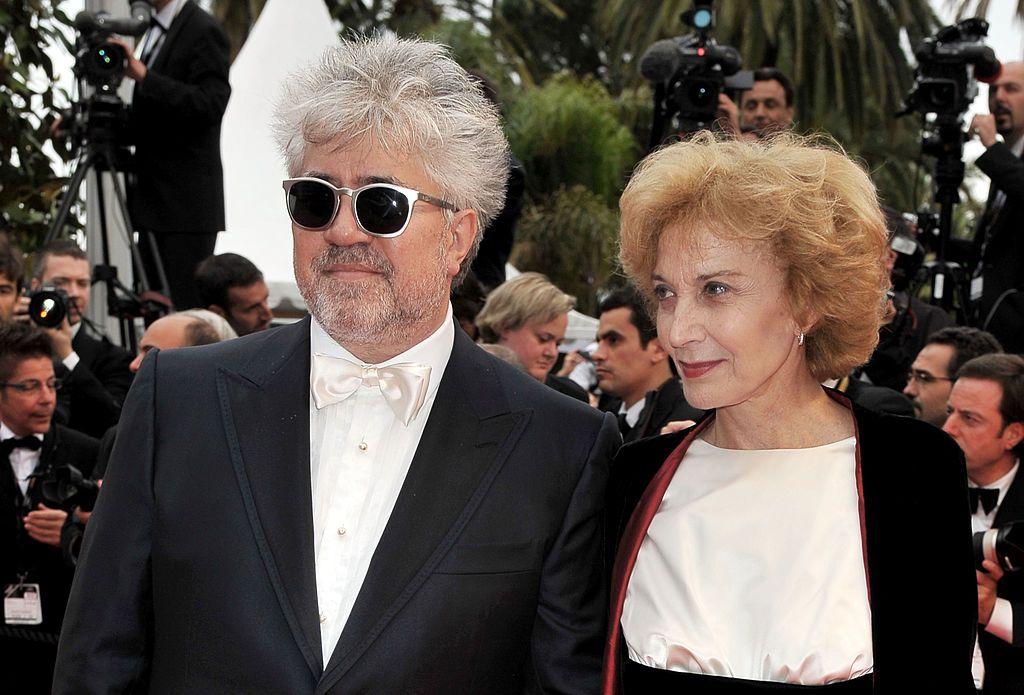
(32, 386)
(380, 209)
(923, 377)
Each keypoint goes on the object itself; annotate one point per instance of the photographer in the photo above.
(35, 577)
(766, 108)
(94, 371)
(181, 92)
(998, 247)
(986, 418)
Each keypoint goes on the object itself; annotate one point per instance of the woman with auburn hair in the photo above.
(789, 541)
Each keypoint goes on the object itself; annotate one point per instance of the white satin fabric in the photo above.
(753, 568)
(404, 386)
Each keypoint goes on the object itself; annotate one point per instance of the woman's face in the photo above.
(723, 313)
(536, 344)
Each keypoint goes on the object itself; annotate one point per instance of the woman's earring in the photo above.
(800, 338)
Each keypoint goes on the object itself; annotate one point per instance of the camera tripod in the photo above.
(950, 281)
(123, 302)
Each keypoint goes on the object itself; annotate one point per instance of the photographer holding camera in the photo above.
(998, 248)
(181, 91)
(35, 576)
(986, 418)
(764, 109)
(94, 371)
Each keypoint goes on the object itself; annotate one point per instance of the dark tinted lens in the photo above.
(382, 210)
(311, 204)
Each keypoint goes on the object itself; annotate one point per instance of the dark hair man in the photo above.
(998, 246)
(633, 369)
(366, 482)
(986, 418)
(35, 577)
(93, 370)
(180, 69)
(933, 370)
(11, 277)
(764, 109)
(231, 286)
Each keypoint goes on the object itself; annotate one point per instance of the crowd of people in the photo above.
(414, 489)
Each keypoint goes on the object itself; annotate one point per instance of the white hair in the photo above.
(218, 323)
(407, 96)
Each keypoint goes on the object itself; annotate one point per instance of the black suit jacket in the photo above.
(175, 125)
(487, 578)
(922, 586)
(1001, 310)
(664, 405)
(44, 564)
(877, 398)
(92, 393)
(1004, 662)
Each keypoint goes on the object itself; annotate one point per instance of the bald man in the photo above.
(997, 259)
(174, 331)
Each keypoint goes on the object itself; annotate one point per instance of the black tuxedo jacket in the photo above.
(1004, 662)
(43, 564)
(1001, 310)
(175, 125)
(664, 405)
(919, 556)
(197, 572)
(92, 393)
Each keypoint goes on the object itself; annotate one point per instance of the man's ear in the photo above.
(461, 235)
(655, 351)
(1013, 434)
(217, 310)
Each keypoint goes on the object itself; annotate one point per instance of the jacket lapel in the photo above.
(265, 407)
(467, 438)
(1012, 506)
(172, 35)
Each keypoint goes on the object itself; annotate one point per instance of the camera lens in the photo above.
(47, 308)
(701, 93)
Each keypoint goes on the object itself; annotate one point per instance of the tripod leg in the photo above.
(82, 166)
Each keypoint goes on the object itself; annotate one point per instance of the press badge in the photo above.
(22, 605)
(976, 285)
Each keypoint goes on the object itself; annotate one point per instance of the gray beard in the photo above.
(372, 313)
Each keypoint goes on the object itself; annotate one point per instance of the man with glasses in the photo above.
(363, 501)
(35, 577)
(932, 373)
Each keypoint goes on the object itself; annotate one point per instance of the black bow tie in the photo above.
(29, 442)
(989, 498)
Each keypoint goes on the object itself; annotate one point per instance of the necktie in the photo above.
(624, 426)
(404, 386)
(988, 497)
(156, 32)
(9, 445)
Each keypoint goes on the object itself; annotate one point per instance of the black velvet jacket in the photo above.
(917, 528)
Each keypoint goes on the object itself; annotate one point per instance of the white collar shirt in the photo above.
(633, 412)
(359, 455)
(153, 40)
(23, 461)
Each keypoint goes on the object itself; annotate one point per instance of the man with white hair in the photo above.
(364, 501)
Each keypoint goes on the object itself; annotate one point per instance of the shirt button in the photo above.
(342, 530)
(363, 446)
(323, 618)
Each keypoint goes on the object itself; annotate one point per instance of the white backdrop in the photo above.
(288, 35)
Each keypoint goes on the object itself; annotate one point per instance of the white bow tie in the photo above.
(404, 386)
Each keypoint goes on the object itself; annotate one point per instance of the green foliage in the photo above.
(566, 133)
(29, 184)
(571, 237)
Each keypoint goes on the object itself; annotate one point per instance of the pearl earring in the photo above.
(800, 338)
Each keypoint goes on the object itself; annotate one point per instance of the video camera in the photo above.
(950, 64)
(690, 72)
(100, 64)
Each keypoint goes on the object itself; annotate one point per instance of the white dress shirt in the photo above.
(359, 455)
(23, 461)
(633, 412)
(153, 40)
(753, 568)
(1001, 622)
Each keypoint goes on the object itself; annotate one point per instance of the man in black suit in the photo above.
(634, 372)
(363, 501)
(181, 92)
(986, 418)
(35, 576)
(998, 247)
(94, 371)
